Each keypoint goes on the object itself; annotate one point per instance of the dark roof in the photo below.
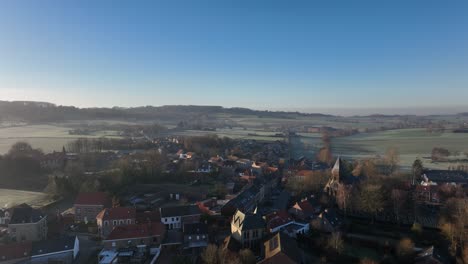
(281, 203)
(247, 221)
(95, 198)
(50, 246)
(456, 176)
(180, 210)
(25, 214)
(244, 198)
(195, 229)
(15, 251)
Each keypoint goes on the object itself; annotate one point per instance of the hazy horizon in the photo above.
(356, 111)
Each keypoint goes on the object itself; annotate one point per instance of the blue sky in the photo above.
(257, 54)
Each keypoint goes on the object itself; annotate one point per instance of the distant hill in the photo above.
(29, 111)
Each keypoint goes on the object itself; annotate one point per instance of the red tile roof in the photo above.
(305, 173)
(96, 198)
(137, 231)
(148, 216)
(15, 251)
(117, 213)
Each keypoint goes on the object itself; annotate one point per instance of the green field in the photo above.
(49, 138)
(411, 144)
(9, 198)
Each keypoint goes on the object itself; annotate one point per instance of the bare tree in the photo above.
(247, 256)
(335, 242)
(398, 201)
(405, 247)
(392, 159)
(210, 254)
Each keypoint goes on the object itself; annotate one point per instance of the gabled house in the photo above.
(302, 175)
(88, 205)
(27, 224)
(247, 229)
(281, 249)
(305, 210)
(110, 218)
(174, 217)
(62, 250)
(140, 235)
(195, 235)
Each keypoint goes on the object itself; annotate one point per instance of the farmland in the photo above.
(48, 137)
(411, 144)
(9, 198)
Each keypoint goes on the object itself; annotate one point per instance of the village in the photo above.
(216, 200)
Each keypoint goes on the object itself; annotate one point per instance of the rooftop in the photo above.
(179, 210)
(117, 213)
(247, 221)
(137, 231)
(24, 213)
(94, 198)
(53, 245)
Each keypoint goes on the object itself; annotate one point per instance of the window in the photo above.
(189, 237)
(113, 244)
(129, 221)
(177, 218)
(106, 223)
(114, 222)
(172, 218)
(78, 210)
(203, 236)
(121, 222)
(274, 243)
(198, 237)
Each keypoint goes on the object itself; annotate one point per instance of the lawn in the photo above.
(9, 198)
(411, 144)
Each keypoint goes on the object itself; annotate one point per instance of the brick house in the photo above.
(109, 218)
(149, 234)
(88, 205)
